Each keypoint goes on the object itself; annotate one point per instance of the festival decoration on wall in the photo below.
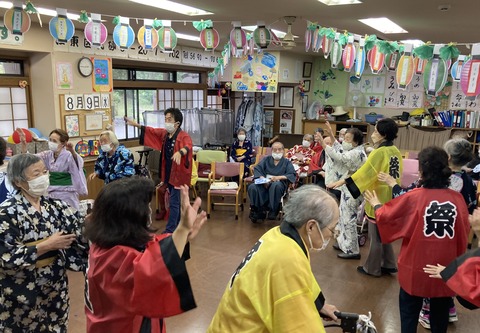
(470, 76)
(336, 55)
(436, 72)
(102, 74)
(123, 34)
(209, 38)
(257, 73)
(147, 36)
(348, 56)
(167, 38)
(328, 37)
(262, 36)
(95, 31)
(360, 58)
(238, 40)
(61, 27)
(405, 69)
(16, 20)
(376, 59)
(456, 69)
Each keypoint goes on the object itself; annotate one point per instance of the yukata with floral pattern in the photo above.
(301, 157)
(34, 290)
(119, 165)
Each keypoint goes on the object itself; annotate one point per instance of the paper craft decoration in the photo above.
(316, 40)
(336, 54)
(16, 20)
(312, 30)
(360, 58)
(391, 60)
(376, 60)
(95, 31)
(470, 78)
(123, 34)
(328, 36)
(348, 56)
(167, 38)
(93, 122)
(262, 36)
(82, 148)
(436, 72)
(72, 126)
(93, 147)
(61, 27)
(238, 40)
(420, 65)
(456, 69)
(102, 74)
(404, 74)
(147, 36)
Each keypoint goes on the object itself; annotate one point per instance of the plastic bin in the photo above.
(372, 118)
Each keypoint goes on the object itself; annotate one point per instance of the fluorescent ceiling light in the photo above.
(187, 37)
(173, 7)
(384, 25)
(340, 2)
(43, 11)
(278, 33)
(414, 42)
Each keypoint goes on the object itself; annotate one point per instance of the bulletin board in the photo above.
(85, 114)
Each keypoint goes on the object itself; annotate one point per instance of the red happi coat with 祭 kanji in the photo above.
(433, 225)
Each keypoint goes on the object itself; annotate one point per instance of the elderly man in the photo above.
(301, 156)
(293, 301)
(272, 177)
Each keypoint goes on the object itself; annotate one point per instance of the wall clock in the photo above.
(85, 67)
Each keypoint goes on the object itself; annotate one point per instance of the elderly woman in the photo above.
(39, 239)
(347, 157)
(6, 188)
(65, 166)
(136, 278)
(301, 156)
(114, 162)
(241, 150)
(269, 292)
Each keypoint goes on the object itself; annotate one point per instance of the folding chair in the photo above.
(225, 189)
(204, 159)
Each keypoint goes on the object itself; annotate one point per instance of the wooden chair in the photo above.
(204, 159)
(224, 189)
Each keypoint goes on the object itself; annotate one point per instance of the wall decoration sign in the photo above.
(102, 74)
(123, 34)
(147, 36)
(64, 75)
(72, 125)
(16, 20)
(470, 77)
(286, 120)
(95, 31)
(61, 27)
(286, 97)
(93, 122)
(256, 73)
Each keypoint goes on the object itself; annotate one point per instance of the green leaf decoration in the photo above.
(387, 47)
(424, 52)
(370, 42)
(83, 17)
(401, 48)
(157, 24)
(202, 25)
(211, 74)
(327, 32)
(449, 51)
(220, 61)
(30, 8)
(249, 36)
(116, 20)
(311, 25)
(343, 39)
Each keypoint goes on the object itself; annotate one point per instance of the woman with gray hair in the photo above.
(242, 150)
(40, 238)
(114, 162)
(280, 260)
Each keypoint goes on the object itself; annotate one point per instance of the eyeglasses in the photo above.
(335, 232)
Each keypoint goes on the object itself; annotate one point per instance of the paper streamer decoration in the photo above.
(317, 40)
(16, 20)
(123, 34)
(436, 73)
(209, 39)
(404, 74)
(95, 31)
(61, 27)
(391, 60)
(348, 56)
(456, 69)
(470, 77)
(262, 36)
(376, 60)
(419, 65)
(360, 58)
(147, 36)
(238, 40)
(167, 38)
(336, 55)
(312, 27)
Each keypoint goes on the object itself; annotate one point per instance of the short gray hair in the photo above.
(112, 137)
(309, 202)
(17, 166)
(459, 150)
(278, 143)
(308, 137)
(241, 129)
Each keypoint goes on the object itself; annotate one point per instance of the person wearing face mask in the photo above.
(278, 173)
(385, 158)
(65, 166)
(40, 238)
(176, 159)
(347, 157)
(301, 156)
(341, 134)
(293, 300)
(6, 188)
(242, 150)
(115, 160)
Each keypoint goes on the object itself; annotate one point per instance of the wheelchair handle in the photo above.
(346, 315)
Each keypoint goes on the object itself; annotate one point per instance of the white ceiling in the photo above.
(421, 18)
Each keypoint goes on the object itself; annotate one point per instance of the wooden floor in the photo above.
(221, 246)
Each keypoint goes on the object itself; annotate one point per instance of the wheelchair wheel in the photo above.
(362, 239)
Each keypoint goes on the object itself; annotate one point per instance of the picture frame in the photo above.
(304, 105)
(307, 69)
(285, 98)
(306, 85)
(72, 125)
(268, 99)
(93, 122)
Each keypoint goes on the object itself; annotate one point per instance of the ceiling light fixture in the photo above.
(173, 7)
(384, 25)
(340, 2)
(41, 10)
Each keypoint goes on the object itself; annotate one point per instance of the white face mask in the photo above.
(347, 145)
(241, 137)
(52, 146)
(324, 242)
(277, 156)
(170, 127)
(38, 186)
(106, 148)
(305, 143)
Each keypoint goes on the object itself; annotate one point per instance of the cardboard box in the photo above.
(17, 147)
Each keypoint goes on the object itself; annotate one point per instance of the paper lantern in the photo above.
(316, 40)
(360, 59)
(123, 34)
(456, 69)
(348, 56)
(376, 60)
(336, 54)
(147, 36)
(16, 136)
(404, 73)
(419, 65)
(16, 20)
(435, 74)
(61, 27)
(262, 37)
(209, 39)
(167, 39)
(470, 78)
(327, 44)
(95, 31)
(391, 60)
(238, 40)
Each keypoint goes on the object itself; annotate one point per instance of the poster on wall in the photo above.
(102, 74)
(257, 73)
(64, 75)
(286, 120)
(72, 125)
